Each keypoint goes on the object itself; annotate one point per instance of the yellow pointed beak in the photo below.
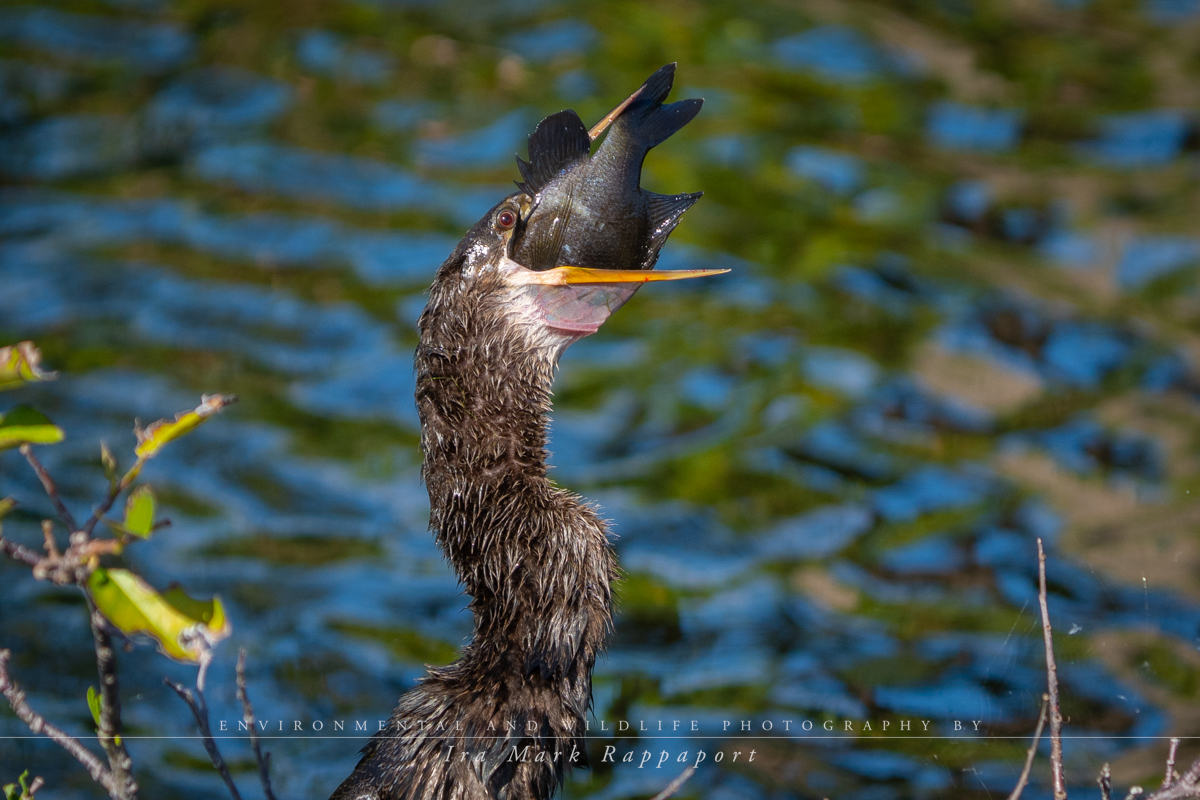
(565, 276)
(601, 126)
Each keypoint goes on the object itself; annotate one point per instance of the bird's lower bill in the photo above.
(575, 301)
(577, 310)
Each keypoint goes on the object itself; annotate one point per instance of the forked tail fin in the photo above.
(647, 120)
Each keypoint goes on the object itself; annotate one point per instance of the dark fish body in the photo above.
(592, 212)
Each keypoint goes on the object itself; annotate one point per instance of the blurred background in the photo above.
(963, 314)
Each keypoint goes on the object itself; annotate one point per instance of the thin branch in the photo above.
(1193, 773)
(1105, 781)
(675, 785)
(1029, 755)
(1056, 720)
(51, 489)
(110, 705)
(195, 701)
(18, 553)
(15, 696)
(1186, 787)
(1170, 775)
(48, 537)
(263, 759)
(114, 491)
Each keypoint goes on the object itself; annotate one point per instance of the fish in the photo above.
(589, 211)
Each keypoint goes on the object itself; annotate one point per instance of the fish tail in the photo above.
(651, 122)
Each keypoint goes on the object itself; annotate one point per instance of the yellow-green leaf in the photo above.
(7, 505)
(24, 425)
(139, 512)
(14, 792)
(152, 439)
(21, 363)
(183, 627)
(94, 704)
(93, 699)
(210, 612)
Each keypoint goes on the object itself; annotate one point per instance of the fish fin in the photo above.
(665, 211)
(526, 175)
(657, 86)
(650, 120)
(559, 141)
(656, 127)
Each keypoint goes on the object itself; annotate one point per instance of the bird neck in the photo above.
(483, 409)
(526, 551)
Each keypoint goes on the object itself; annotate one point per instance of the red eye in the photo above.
(506, 219)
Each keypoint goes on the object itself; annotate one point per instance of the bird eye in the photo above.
(506, 219)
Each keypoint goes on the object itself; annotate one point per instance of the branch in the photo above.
(1186, 787)
(38, 724)
(1029, 755)
(110, 705)
(1105, 781)
(18, 553)
(1170, 775)
(114, 491)
(51, 489)
(675, 785)
(264, 760)
(1056, 721)
(195, 701)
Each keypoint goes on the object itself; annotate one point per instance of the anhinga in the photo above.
(542, 269)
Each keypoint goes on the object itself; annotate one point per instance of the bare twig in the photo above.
(51, 489)
(675, 785)
(18, 553)
(195, 701)
(114, 491)
(1056, 720)
(1193, 773)
(1105, 781)
(1134, 792)
(48, 537)
(1170, 775)
(110, 706)
(263, 759)
(1029, 755)
(1186, 787)
(38, 724)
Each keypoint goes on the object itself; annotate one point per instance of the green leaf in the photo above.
(7, 505)
(14, 792)
(94, 704)
(139, 512)
(24, 425)
(183, 627)
(21, 363)
(152, 439)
